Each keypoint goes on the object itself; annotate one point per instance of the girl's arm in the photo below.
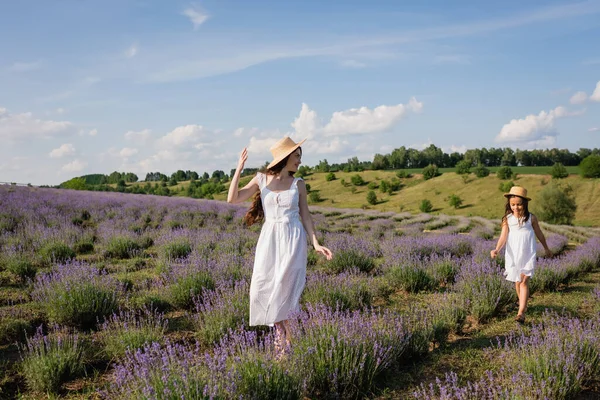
(236, 195)
(540, 235)
(308, 223)
(501, 239)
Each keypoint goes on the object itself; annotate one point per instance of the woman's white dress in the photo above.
(521, 249)
(279, 271)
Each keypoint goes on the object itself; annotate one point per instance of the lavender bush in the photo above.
(49, 360)
(130, 330)
(346, 291)
(77, 294)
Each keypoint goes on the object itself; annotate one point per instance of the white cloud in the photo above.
(24, 126)
(183, 136)
(60, 110)
(196, 15)
(132, 50)
(364, 120)
(595, 129)
(596, 95)
(66, 149)
(138, 136)
(239, 132)
(25, 66)
(261, 145)
(361, 120)
(307, 123)
(455, 149)
(128, 152)
(534, 130)
(74, 166)
(579, 98)
(93, 132)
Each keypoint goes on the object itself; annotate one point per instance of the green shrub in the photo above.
(504, 172)
(357, 180)
(463, 167)
(430, 171)
(481, 171)
(590, 166)
(130, 330)
(455, 201)
(425, 206)
(556, 204)
(410, 277)
(121, 247)
(330, 177)
(372, 185)
(505, 186)
(384, 187)
(50, 360)
(178, 248)
(559, 171)
(348, 259)
(185, 288)
(55, 252)
(22, 267)
(371, 197)
(403, 174)
(314, 197)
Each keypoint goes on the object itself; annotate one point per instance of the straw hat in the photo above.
(282, 149)
(517, 191)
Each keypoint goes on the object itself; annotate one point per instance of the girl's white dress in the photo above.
(279, 271)
(521, 249)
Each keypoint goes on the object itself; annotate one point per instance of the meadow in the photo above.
(122, 296)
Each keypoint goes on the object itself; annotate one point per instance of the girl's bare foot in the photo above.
(520, 318)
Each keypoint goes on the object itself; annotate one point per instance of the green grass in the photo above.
(481, 196)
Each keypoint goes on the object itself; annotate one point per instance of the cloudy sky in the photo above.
(149, 85)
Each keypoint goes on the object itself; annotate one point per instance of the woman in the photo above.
(279, 271)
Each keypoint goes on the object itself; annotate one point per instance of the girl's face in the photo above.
(516, 205)
(294, 161)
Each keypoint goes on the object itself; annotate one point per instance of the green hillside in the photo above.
(481, 196)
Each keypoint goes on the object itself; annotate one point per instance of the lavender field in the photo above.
(115, 296)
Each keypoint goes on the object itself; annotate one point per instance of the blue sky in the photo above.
(140, 86)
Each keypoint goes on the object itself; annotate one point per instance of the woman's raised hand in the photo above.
(242, 160)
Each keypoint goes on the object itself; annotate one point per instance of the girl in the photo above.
(279, 272)
(519, 229)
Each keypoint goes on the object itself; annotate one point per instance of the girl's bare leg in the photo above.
(524, 294)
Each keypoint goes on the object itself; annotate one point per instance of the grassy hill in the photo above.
(481, 196)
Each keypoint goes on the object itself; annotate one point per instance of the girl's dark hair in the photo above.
(508, 211)
(256, 212)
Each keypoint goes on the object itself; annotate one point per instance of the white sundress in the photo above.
(521, 249)
(279, 273)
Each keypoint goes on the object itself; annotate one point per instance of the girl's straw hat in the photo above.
(282, 149)
(517, 191)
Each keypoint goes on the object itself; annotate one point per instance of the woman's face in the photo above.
(294, 161)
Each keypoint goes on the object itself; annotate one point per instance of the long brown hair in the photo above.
(508, 211)
(256, 213)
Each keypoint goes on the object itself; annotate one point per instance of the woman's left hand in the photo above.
(325, 251)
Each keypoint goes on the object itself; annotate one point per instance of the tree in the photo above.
(481, 171)
(302, 171)
(463, 167)
(430, 171)
(559, 171)
(384, 186)
(425, 206)
(590, 166)
(380, 162)
(556, 204)
(74, 184)
(357, 180)
(371, 197)
(330, 177)
(504, 172)
(455, 201)
(323, 166)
